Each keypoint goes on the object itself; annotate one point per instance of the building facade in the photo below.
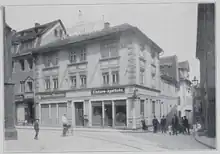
(205, 52)
(109, 78)
(23, 64)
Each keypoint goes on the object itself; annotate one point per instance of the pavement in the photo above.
(207, 141)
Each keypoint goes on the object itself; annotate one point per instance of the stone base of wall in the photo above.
(11, 134)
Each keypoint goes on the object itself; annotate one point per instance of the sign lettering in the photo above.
(107, 91)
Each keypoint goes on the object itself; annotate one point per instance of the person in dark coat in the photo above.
(155, 124)
(163, 124)
(36, 128)
(175, 124)
(186, 124)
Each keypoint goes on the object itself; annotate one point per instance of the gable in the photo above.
(28, 79)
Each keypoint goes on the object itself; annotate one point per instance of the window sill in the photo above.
(109, 58)
(77, 63)
(52, 67)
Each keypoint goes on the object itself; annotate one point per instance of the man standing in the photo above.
(36, 128)
(175, 124)
(155, 123)
(163, 124)
(65, 124)
(186, 124)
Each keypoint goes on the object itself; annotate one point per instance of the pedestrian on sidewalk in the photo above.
(175, 124)
(170, 130)
(186, 124)
(155, 124)
(163, 124)
(36, 128)
(65, 124)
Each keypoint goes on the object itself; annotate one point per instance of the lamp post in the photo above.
(195, 84)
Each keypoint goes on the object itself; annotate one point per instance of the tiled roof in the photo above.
(34, 32)
(169, 67)
(91, 36)
(184, 65)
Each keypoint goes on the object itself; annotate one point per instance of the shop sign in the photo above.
(107, 91)
(19, 98)
(52, 96)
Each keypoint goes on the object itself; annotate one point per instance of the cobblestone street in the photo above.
(51, 141)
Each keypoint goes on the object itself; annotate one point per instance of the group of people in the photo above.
(65, 123)
(174, 127)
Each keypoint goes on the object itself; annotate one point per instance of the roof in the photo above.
(184, 65)
(34, 32)
(169, 67)
(91, 36)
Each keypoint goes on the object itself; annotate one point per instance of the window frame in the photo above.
(83, 54)
(55, 83)
(142, 76)
(47, 83)
(73, 57)
(105, 76)
(22, 68)
(30, 89)
(115, 75)
(22, 86)
(83, 78)
(75, 78)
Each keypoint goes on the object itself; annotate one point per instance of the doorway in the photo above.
(108, 122)
(79, 113)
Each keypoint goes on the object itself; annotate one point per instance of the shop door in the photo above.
(79, 114)
(97, 114)
(54, 114)
(62, 109)
(108, 114)
(45, 114)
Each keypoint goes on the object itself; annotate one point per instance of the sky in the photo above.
(172, 26)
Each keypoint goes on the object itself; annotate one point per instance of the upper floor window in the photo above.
(83, 55)
(47, 83)
(47, 61)
(22, 64)
(115, 77)
(55, 83)
(105, 78)
(153, 107)
(30, 63)
(73, 81)
(30, 86)
(82, 80)
(56, 59)
(109, 50)
(55, 33)
(22, 86)
(72, 56)
(13, 66)
(141, 76)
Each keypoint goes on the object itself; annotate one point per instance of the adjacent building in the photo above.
(178, 75)
(23, 64)
(205, 52)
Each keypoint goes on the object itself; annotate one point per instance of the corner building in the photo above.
(108, 78)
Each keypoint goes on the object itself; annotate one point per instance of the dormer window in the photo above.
(61, 33)
(55, 32)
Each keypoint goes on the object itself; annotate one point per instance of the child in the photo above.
(170, 129)
(36, 128)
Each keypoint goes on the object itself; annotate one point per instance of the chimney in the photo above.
(106, 25)
(36, 24)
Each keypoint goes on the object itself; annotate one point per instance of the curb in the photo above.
(209, 146)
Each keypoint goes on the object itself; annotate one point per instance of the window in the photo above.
(47, 83)
(72, 57)
(55, 83)
(30, 86)
(105, 77)
(115, 77)
(55, 32)
(109, 50)
(153, 107)
(13, 66)
(83, 80)
(142, 107)
(22, 86)
(30, 63)
(22, 64)
(73, 81)
(47, 61)
(56, 58)
(83, 55)
(141, 76)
